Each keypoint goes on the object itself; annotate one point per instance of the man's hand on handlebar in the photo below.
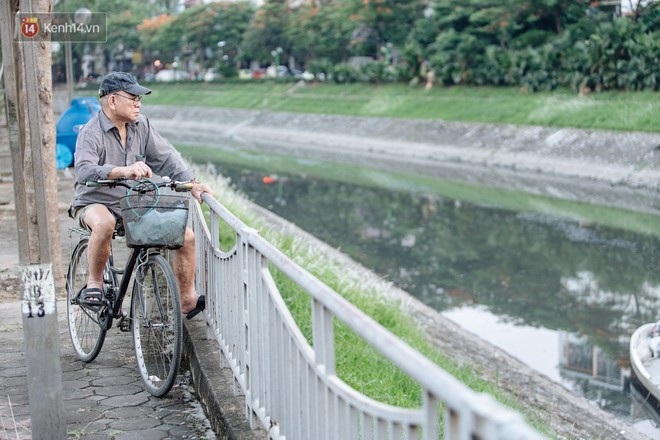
(198, 189)
(136, 171)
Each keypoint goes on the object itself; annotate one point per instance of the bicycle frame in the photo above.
(136, 253)
(121, 276)
(126, 271)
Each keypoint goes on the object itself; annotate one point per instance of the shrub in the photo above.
(377, 72)
(344, 73)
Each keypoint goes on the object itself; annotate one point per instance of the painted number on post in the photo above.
(38, 295)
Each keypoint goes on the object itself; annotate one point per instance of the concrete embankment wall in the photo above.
(603, 167)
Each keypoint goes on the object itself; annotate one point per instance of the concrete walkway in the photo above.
(103, 399)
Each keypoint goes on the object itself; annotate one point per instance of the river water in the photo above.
(562, 295)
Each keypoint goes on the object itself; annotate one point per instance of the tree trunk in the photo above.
(48, 140)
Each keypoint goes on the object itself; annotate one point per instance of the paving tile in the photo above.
(136, 424)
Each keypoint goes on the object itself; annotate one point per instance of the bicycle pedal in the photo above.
(124, 323)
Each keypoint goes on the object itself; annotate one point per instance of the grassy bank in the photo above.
(629, 111)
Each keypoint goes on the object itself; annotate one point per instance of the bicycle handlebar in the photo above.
(111, 183)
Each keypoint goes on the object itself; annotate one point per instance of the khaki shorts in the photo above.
(78, 214)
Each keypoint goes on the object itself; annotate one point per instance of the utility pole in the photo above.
(29, 157)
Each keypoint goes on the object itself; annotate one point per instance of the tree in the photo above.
(158, 37)
(320, 33)
(37, 213)
(207, 34)
(377, 22)
(267, 33)
(122, 39)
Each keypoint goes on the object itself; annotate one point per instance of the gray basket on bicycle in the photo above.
(154, 220)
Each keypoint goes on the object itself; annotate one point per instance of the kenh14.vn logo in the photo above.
(29, 27)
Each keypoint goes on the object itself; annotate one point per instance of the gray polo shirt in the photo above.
(99, 150)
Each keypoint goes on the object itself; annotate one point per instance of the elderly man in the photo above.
(120, 143)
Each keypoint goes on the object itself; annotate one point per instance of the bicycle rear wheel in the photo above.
(156, 324)
(87, 333)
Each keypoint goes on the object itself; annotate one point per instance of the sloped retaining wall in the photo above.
(603, 167)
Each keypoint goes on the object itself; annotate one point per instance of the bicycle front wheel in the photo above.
(156, 324)
(87, 333)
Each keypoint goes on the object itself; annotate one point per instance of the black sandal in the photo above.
(200, 306)
(91, 297)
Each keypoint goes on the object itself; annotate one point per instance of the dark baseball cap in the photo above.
(117, 81)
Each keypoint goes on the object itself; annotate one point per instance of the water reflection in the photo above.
(575, 291)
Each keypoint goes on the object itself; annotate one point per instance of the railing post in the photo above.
(430, 403)
(250, 278)
(324, 337)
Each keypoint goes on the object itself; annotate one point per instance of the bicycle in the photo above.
(155, 311)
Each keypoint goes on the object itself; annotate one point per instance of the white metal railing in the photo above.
(290, 387)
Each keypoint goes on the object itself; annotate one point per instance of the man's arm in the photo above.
(90, 166)
(166, 161)
(136, 171)
(89, 157)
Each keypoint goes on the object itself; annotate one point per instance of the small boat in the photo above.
(645, 357)
(644, 404)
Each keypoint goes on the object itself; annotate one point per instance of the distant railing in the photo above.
(290, 387)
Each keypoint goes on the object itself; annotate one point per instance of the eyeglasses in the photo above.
(135, 100)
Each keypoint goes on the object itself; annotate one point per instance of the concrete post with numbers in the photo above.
(42, 352)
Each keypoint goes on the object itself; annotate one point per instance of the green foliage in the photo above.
(532, 38)
(267, 33)
(344, 73)
(385, 20)
(650, 18)
(378, 72)
(534, 69)
(203, 32)
(455, 55)
(320, 65)
(523, 43)
(535, 45)
(319, 34)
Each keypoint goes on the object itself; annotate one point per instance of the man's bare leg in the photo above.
(101, 222)
(185, 261)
